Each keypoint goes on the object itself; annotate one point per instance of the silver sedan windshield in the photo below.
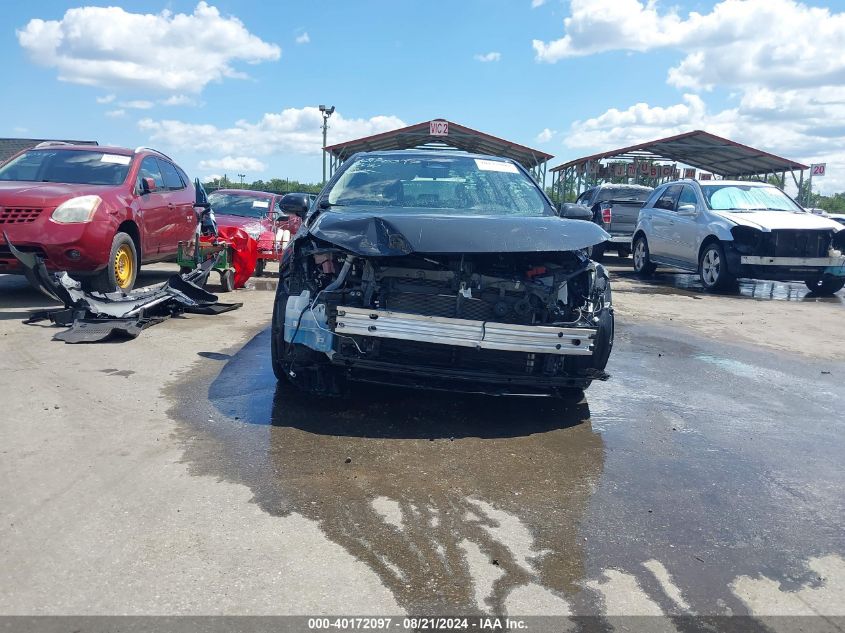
(736, 197)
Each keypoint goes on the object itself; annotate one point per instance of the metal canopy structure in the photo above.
(698, 150)
(443, 134)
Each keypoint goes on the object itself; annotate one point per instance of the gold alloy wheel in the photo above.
(124, 266)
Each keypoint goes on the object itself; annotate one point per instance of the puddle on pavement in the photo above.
(466, 504)
(676, 283)
(262, 284)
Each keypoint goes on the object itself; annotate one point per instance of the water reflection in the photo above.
(458, 503)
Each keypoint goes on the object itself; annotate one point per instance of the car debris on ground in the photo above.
(93, 317)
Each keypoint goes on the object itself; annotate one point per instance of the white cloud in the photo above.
(303, 38)
(116, 114)
(546, 135)
(156, 52)
(20, 130)
(492, 56)
(233, 164)
(775, 43)
(537, 3)
(137, 104)
(291, 130)
(178, 100)
(211, 178)
(105, 99)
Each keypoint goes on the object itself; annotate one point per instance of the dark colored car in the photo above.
(259, 214)
(96, 212)
(443, 270)
(615, 208)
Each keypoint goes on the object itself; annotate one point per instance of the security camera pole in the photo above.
(326, 112)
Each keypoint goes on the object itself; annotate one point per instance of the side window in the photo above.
(149, 169)
(688, 197)
(171, 177)
(668, 198)
(184, 176)
(584, 198)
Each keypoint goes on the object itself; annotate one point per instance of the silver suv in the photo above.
(726, 229)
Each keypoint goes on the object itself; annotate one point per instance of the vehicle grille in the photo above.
(439, 305)
(796, 243)
(10, 215)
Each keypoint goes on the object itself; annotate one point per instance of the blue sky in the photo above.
(603, 80)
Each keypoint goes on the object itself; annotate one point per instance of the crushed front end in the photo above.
(532, 323)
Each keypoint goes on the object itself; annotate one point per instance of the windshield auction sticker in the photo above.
(116, 159)
(496, 165)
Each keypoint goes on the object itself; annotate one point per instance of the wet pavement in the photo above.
(666, 281)
(700, 479)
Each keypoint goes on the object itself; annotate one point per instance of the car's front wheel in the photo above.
(826, 285)
(643, 266)
(121, 271)
(713, 268)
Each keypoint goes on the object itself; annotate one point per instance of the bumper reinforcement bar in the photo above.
(540, 339)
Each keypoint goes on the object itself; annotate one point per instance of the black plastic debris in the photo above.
(93, 317)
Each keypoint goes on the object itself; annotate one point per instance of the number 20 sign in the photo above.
(818, 169)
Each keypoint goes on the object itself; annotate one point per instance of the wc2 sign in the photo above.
(818, 169)
(438, 128)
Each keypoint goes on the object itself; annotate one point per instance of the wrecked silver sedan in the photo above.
(441, 270)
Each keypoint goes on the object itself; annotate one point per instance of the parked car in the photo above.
(96, 212)
(615, 208)
(259, 214)
(440, 269)
(729, 229)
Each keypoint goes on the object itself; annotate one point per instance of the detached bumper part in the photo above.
(755, 260)
(541, 339)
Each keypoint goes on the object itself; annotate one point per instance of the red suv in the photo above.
(96, 212)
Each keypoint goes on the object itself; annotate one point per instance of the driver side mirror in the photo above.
(687, 210)
(148, 185)
(295, 204)
(278, 217)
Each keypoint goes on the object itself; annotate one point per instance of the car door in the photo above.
(153, 214)
(182, 219)
(684, 230)
(663, 223)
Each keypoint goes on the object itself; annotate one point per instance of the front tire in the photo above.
(826, 285)
(121, 271)
(713, 268)
(643, 265)
(277, 335)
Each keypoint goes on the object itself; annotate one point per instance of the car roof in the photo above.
(620, 185)
(748, 183)
(439, 153)
(245, 192)
(98, 149)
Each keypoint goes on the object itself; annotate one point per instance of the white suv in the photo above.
(726, 229)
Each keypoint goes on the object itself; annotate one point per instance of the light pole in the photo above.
(242, 176)
(326, 112)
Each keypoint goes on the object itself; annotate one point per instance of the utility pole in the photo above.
(326, 112)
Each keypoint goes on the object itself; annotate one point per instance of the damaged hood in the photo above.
(776, 220)
(390, 234)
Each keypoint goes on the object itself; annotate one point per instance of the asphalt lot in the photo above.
(171, 475)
